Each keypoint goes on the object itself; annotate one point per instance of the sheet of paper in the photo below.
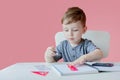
(42, 68)
(114, 68)
(62, 69)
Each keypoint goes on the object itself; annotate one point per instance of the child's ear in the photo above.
(84, 29)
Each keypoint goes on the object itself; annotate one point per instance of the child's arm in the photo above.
(97, 54)
(50, 52)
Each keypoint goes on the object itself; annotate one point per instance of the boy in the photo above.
(75, 49)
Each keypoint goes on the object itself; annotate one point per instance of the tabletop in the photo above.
(23, 71)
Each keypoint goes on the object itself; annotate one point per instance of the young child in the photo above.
(75, 49)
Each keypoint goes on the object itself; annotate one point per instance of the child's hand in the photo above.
(79, 61)
(50, 52)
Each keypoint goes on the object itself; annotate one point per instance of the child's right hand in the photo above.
(49, 53)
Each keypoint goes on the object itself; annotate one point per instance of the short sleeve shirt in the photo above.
(68, 53)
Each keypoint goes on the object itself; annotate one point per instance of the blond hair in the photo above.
(74, 14)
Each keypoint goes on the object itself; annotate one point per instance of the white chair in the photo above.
(100, 38)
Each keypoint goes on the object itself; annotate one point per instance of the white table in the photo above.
(23, 71)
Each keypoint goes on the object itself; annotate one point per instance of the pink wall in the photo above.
(27, 27)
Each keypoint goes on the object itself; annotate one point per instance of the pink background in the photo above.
(27, 27)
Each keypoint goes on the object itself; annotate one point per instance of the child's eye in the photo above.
(75, 30)
(66, 30)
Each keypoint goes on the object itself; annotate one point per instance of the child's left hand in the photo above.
(79, 61)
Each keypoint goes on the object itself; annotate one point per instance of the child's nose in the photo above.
(70, 33)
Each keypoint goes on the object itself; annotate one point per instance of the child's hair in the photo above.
(74, 14)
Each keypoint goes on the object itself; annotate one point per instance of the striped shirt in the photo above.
(68, 53)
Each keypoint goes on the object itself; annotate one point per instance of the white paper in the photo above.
(62, 69)
(42, 68)
(113, 68)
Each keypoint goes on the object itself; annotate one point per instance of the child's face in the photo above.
(73, 32)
